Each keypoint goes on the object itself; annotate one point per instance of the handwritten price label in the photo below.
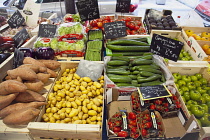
(16, 20)
(21, 37)
(123, 6)
(47, 30)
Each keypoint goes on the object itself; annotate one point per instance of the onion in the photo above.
(45, 53)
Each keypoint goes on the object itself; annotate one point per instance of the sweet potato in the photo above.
(10, 78)
(18, 106)
(52, 73)
(11, 86)
(36, 85)
(35, 68)
(51, 64)
(29, 60)
(44, 77)
(42, 69)
(23, 73)
(5, 100)
(21, 117)
(29, 96)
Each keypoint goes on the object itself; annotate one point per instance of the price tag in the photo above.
(47, 30)
(16, 20)
(3, 12)
(123, 6)
(18, 58)
(115, 29)
(154, 92)
(88, 9)
(21, 37)
(166, 47)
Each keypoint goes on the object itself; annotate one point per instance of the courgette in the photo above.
(146, 73)
(127, 53)
(153, 70)
(124, 84)
(135, 72)
(128, 48)
(118, 67)
(149, 79)
(141, 61)
(117, 63)
(119, 78)
(128, 42)
(120, 58)
(118, 71)
(152, 83)
(148, 57)
(147, 67)
(143, 39)
(134, 82)
(133, 77)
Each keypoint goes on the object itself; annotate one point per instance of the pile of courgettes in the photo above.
(128, 47)
(135, 71)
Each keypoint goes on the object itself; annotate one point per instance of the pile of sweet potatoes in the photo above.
(20, 96)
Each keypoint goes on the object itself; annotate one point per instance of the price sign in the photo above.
(47, 30)
(123, 6)
(115, 29)
(21, 37)
(16, 20)
(88, 9)
(166, 47)
(18, 58)
(153, 92)
(3, 12)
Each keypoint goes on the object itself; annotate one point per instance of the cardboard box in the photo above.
(196, 30)
(175, 127)
(190, 70)
(55, 130)
(150, 27)
(195, 52)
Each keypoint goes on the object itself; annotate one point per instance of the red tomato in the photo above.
(105, 21)
(107, 18)
(136, 27)
(116, 129)
(111, 125)
(158, 102)
(134, 129)
(138, 22)
(133, 32)
(100, 24)
(130, 126)
(117, 123)
(143, 132)
(152, 107)
(136, 136)
(128, 19)
(122, 134)
(99, 20)
(87, 29)
(165, 104)
(93, 23)
(131, 26)
(128, 32)
(133, 122)
(127, 24)
(147, 117)
(148, 125)
(132, 115)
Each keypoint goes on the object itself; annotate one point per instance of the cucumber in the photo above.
(149, 79)
(120, 58)
(148, 57)
(118, 67)
(147, 53)
(128, 48)
(146, 73)
(133, 77)
(147, 66)
(134, 82)
(152, 83)
(153, 70)
(124, 84)
(141, 61)
(143, 39)
(128, 53)
(135, 72)
(119, 78)
(118, 71)
(117, 63)
(128, 42)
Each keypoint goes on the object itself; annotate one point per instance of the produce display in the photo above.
(20, 96)
(75, 99)
(185, 56)
(195, 93)
(115, 124)
(206, 48)
(162, 105)
(205, 36)
(133, 24)
(150, 124)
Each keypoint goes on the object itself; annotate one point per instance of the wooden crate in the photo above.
(196, 30)
(192, 51)
(71, 131)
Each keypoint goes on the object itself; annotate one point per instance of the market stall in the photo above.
(92, 76)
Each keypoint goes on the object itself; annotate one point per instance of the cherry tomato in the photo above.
(133, 122)
(100, 24)
(127, 24)
(122, 134)
(143, 132)
(152, 107)
(158, 102)
(148, 125)
(132, 115)
(134, 129)
(132, 26)
(133, 32)
(147, 117)
(117, 123)
(93, 23)
(116, 129)
(128, 32)
(105, 21)
(128, 19)
(136, 27)
(138, 22)
(107, 18)
(165, 104)
(87, 29)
